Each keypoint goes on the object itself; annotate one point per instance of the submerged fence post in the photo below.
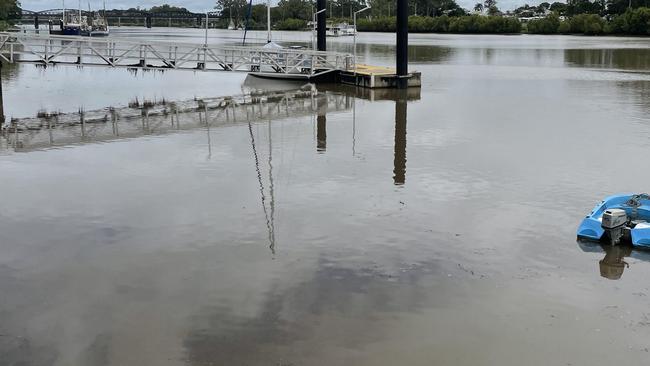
(402, 43)
(321, 25)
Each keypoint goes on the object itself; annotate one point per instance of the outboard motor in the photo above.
(614, 220)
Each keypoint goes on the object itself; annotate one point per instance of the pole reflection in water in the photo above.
(207, 127)
(354, 126)
(271, 192)
(269, 218)
(399, 165)
(321, 125)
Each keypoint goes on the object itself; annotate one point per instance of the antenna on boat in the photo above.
(268, 21)
(248, 15)
(63, 16)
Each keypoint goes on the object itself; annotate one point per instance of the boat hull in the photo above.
(591, 228)
(71, 31)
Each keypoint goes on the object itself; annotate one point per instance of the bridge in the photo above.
(115, 17)
(48, 50)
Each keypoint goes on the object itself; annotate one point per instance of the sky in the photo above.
(202, 5)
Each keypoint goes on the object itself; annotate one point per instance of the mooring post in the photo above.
(402, 58)
(321, 22)
(399, 164)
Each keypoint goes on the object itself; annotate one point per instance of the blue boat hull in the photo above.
(590, 228)
(71, 31)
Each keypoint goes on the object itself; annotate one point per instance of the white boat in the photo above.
(347, 29)
(340, 30)
(99, 27)
(332, 31)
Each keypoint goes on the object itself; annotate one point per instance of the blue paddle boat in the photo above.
(619, 218)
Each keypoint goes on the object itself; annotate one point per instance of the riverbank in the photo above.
(632, 22)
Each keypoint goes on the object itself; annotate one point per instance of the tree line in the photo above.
(576, 16)
(632, 22)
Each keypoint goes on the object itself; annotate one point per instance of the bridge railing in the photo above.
(113, 52)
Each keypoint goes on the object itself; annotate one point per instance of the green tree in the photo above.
(233, 9)
(9, 13)
(493, 10)
(558, 7)
(621, 6)
(489, 3)
(548, 25)
(295, 9)
(575, 7)
(166, 8)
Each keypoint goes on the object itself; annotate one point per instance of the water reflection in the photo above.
(617, 58)
(614, 264)
(416, 53)
(160, 117)
(306, 313)
(269, 214)
(399, 164)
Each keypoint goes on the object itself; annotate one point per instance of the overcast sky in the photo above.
(202, 5)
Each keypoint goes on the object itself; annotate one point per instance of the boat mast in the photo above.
(63, 16)
(79, 13)
(268, 21)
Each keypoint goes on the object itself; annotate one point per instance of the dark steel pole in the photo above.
(36, 21)
(321, 21)
(399, 164)
(402, 41)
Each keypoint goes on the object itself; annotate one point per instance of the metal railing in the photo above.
(113, 52)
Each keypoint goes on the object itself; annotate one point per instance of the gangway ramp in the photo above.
(51, 50)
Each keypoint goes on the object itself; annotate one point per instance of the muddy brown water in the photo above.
(438, 230)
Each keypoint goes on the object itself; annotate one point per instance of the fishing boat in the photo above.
(622, 218)
(73, 23)
(74, 26)
(99, 27)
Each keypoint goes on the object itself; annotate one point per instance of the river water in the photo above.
(436, 227)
